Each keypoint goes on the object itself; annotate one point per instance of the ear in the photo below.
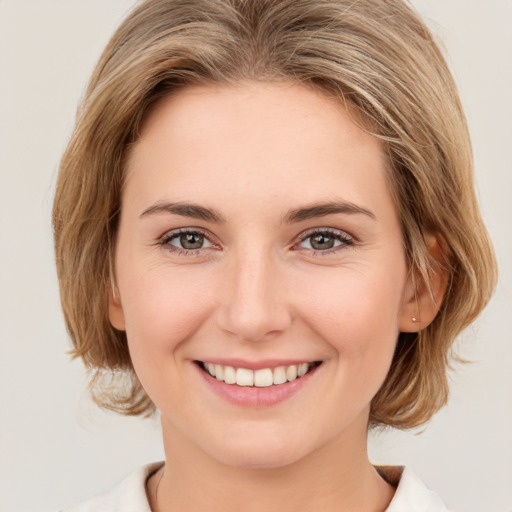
(422, 299)
(115, 308)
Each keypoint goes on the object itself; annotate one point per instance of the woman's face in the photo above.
(258, 236)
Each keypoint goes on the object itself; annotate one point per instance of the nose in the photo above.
(253, 304)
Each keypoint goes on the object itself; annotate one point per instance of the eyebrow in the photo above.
(292, 216)
(186, 210)
(323, 209)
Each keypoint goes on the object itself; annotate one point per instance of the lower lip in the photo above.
(252, 396)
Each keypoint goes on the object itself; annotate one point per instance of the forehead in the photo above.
(255, 140)
(249, 109)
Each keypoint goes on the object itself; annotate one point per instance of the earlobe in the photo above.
(115, 308)
(423, 297)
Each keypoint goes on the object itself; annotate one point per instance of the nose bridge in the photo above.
(254, 305)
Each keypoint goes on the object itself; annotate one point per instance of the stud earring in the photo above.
(414, 319)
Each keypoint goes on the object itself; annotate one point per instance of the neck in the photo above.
(337, 476)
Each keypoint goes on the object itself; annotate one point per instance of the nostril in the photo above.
(253, 313)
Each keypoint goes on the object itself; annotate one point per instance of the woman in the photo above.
(265, 218)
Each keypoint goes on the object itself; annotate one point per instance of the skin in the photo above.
(258, 290)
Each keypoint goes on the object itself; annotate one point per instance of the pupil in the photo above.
(191, 241)
(322, 242)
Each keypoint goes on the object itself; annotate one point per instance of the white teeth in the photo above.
(244, 377)
(291, 373)
(302, 369)
(280, 375)
(264, 377)
(219, 372)
(229, 375)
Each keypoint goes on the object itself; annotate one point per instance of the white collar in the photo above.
(130, 495)
(411, 494)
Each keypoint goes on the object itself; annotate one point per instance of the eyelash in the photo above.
(166, 240)
(340, 236)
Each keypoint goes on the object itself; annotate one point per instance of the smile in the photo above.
(261, 378)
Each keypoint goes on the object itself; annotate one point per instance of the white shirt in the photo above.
(411, 495)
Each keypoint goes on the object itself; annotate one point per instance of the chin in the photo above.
(263, 459)
(259, 453)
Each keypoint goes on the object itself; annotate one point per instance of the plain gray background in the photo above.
(55, 446)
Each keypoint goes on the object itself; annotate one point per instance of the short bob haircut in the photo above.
(380, 60)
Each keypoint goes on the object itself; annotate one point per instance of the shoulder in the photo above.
(411, 494)
(127, 496)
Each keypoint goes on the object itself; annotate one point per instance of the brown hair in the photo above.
(378, 57)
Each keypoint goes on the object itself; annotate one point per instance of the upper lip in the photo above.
(256, 365)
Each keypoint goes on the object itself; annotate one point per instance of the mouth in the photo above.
(260, 378)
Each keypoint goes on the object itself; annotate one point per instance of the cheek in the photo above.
(357, 312)
(162, 308)
(162, 312)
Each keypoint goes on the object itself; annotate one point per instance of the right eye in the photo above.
(185, 241)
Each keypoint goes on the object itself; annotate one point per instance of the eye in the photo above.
(186, 240)
(325, 240)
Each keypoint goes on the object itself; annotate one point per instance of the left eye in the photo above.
(324, 240)
(188, 240)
